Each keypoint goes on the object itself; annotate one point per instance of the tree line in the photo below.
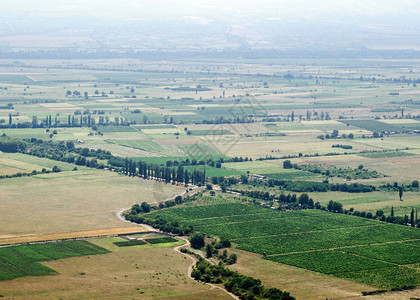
(245, 287)
(314, 186)
(63, 151)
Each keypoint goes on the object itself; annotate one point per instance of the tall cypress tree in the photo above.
(187, 177)
(412, 218)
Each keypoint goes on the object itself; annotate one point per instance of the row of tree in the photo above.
(244, 287)
(412, 220)
(62, 151)
(300, 186)
(167, 174)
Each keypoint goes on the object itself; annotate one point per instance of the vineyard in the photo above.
(360, 249)
(24, 260)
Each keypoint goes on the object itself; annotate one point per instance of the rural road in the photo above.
(194, 261)
(178, 248)
(121, 218)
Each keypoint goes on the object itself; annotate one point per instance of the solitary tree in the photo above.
(412, 218)
(287, 164)
(197, 241)
(145, 207)
(209, 250)
(400, 192)
(178, 199)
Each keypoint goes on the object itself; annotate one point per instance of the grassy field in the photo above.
(12, 163)
(20, 261)
(71, 235)
(371, 202)
(131, 272)
(312, 239)
(69, 201)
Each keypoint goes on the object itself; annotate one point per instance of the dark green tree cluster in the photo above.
(34, 172)
(401, 187)
(406, 220)
(160, 223)
(197, 241)
(300, 186)
(59, 151)
(136, 211)
(223, 120)
(143, 208)
(11, 145)
(342, 146)
(167, 174)
(212, 250)
(289, 201)
(217, 163)
(224, 181)
(332, 171)
(244, 287)
(224, 258)
(335, 206)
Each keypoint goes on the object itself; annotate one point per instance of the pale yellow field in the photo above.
(400, 121)
(301, 283)
(72, 201)
(256, 147)
(72, 235)
(134, 273)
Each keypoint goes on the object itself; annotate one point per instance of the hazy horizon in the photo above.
(327, 25)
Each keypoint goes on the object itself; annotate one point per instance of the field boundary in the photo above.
(72, 235)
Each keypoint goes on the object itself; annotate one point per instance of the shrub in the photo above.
(197, 241)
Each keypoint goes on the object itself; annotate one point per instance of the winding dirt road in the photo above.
(178, 248)
(194, 261)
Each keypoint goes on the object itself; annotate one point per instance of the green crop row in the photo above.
(329, 261)
(208, 211)
(161, 240)
(328, 239)
(350, 247)
(398, 253)
(130, 243)
(24, 260)
(385, 278)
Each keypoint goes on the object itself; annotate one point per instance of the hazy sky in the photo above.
(235, 23)
(209, 9)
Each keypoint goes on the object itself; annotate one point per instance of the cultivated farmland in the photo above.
(344, 246)
(24, 260)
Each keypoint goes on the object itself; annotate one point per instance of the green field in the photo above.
(113, 129)
(373, 125)
(20, 261)
(130, 243)
(213, 171)
(162, 240)
(336, 244)
(211, 132)
(386, 154)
